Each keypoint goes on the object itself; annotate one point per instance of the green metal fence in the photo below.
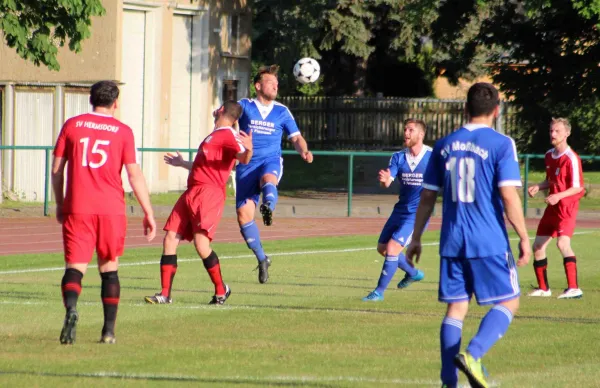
(525, 158)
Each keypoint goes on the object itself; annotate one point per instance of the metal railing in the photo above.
(526, 158)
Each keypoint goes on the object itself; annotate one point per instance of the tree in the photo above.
(544, 55)
(35, 28)
(356, 38)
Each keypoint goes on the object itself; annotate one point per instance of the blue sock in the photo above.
(252, 236)
(450, 336)
(492, 328)
(269, 192)
(403, 265)
(390, 265)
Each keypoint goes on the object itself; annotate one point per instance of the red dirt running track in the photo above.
(43, 235)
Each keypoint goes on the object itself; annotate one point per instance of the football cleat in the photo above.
(571, 293)
(267, 213)
(472, 368)
(221, 299)
(373, 296)
(263, 270)
(540, 293)
(67, 334)
(108, 338)
(158, 298)
(408, 280)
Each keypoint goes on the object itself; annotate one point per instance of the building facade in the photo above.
(175, 61)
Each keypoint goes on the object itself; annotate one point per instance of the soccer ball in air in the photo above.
(307, 70)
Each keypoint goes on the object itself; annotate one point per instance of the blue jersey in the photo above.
(408, 171)
(471, 164)
(267, 123)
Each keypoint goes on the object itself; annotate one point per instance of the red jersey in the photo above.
(96, 147)
(563, 172)
(216, 158)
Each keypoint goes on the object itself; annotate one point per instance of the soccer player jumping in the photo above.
(477, 169)
(92, 213)
(408, 166)
(564, 180)
(268, 120)
(198, 211)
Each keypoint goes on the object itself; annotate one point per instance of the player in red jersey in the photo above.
(92, 212)
(564, 180)
(198, 211)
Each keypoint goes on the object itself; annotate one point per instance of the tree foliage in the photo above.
(36, 28)
(346, 35)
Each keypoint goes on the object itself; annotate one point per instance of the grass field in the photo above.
(307, 326)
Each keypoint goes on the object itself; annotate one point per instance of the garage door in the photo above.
(181, 83)
(133, 76)
(34, 121)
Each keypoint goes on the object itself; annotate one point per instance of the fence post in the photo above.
(525, 185)
(47, 181)
(350, 182)
(190, 156)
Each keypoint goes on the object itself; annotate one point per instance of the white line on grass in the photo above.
(317, 252)
(237, 378)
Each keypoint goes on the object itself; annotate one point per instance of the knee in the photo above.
(458, 310)
(244, 215)
(170, 242)
(537, 247)
(563, 245)
(512, 305)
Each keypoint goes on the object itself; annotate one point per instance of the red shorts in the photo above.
(198, 209)
(82, 233)
(553, 225)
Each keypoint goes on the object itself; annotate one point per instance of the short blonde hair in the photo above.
(561, 120)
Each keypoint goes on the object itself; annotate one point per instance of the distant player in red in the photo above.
(198, 211)
(564, 180)
(92, 213)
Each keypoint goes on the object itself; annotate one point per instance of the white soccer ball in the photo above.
(307, 70)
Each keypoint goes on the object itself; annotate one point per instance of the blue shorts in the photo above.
(492, 279)
(399, 227)
(248, 176)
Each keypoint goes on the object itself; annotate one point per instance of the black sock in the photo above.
(111, 291)
(71, 288)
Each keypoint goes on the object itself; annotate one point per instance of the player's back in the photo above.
(96, 147)
(215, 159)
(474, 162)
(408, 170)
(268, 124)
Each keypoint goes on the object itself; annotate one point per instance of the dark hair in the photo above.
(104, 94)
(232, 109)
(273, 69)
(419, 123)
(482, 99)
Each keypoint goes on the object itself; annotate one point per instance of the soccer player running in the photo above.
(564, 180)
(268, 120)
(92, 212)
(198, 211)
(478, 170)
(408, 166)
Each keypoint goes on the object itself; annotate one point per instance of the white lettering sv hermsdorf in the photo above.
(97, 126)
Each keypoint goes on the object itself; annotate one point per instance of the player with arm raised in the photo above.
(564, 180)
(268, 120)
(477, 169)
(198, 211)
(408, 166)
(92, 212)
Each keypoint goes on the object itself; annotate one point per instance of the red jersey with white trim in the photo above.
(96, 148)
(216, 158)
(563, 172)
